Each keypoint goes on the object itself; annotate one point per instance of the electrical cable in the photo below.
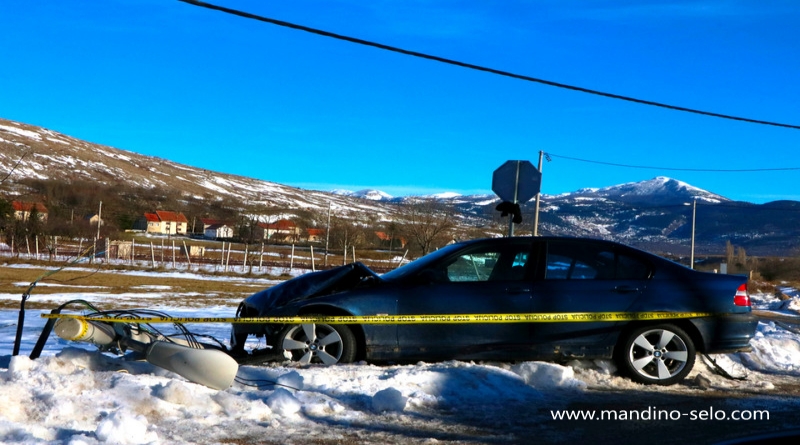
(741, 170)
(131, 316)
(27, 294)
(787, 327)
(747, 205)
(479, 67)
(255, 383)
(721, 371)
(14, 167)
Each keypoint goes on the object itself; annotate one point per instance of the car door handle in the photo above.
(517, 290)
(626, 289)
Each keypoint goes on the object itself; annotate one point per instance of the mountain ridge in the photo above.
(655, 212)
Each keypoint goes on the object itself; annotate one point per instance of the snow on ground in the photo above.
(195, 273)
(74, 394)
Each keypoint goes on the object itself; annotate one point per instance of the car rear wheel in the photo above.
(318, 343)
(660, 355)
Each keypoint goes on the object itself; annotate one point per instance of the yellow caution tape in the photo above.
(565, 317)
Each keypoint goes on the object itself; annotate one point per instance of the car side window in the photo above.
(472, 267)
(630, 268)
(501, 264)
(586, 261)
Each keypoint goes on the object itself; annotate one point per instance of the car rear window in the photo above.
(592, 261)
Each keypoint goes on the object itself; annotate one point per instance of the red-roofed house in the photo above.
(22, 210)
(314, 235)
(284, 230)
(166, 223)
(389, 240)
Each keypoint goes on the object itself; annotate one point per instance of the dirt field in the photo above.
(181, 289)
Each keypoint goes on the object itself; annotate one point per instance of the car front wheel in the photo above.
(318, 343)
(660, 355)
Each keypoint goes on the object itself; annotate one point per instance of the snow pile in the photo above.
(79, 396)
(122, 427)
(389, 399)
(282, 402)
(774, 350)
(785, 299)
(548, 375)
(75, 394)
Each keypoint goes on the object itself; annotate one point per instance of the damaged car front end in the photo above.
(305, 295)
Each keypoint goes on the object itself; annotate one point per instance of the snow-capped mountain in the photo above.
(372, 195)
(660, 190)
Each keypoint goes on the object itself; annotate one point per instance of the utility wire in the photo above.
(479, 67)
(15, 166)
(732, 205)
(676, 169)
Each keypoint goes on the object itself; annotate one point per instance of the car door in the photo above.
(491, 278)
(585, 276)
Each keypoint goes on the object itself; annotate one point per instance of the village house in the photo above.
(94, 219)
(22, 210)
(314, 235)
(208, 222)
(166, 223)
(217, 229)
(282, 230)
(389, 241)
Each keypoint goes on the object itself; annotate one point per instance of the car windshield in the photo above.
(420, 264)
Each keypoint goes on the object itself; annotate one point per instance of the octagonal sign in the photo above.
(516, 181)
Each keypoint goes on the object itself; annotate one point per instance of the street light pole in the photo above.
(536, 212)
(694, 218)
(327, 234)
(99, 218)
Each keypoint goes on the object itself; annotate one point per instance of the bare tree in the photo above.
(729, 252)
(427, 224)
(741, 257)
(346, 234)
(6, 216)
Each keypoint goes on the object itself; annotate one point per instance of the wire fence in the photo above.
(181, 253)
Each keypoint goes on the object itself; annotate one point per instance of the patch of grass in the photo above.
(186, 291)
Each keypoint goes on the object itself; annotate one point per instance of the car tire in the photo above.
(657, 355)
(318, 343)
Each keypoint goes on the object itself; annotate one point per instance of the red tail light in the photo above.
(742, 298)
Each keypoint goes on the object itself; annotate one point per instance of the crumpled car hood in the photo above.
(306, 286)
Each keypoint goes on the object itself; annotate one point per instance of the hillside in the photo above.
(655, 214)
(46, 154)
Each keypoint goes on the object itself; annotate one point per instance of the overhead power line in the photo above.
(15, 166)
(479, 67)
(740, 170)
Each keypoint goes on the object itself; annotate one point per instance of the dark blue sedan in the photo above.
(541, 275)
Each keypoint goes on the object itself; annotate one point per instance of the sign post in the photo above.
(516, 182)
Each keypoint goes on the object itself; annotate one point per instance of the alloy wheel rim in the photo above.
(313, 343)
(658, 354)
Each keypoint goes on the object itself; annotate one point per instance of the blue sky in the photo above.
(221, 92)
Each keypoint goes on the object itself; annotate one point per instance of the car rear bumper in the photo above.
(727, 333)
